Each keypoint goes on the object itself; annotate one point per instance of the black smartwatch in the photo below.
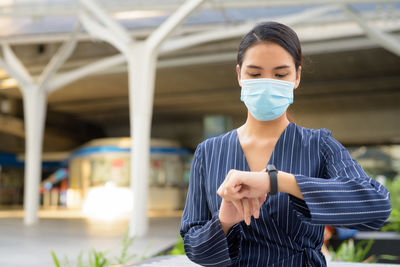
(273, 179)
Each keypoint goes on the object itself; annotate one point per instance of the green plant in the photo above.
(55, 259)
(394, 219)
(394, 188)
(79, 262)
(100, 258)
(349, 252)
(178, 248)
(95, 258)
(126, 243)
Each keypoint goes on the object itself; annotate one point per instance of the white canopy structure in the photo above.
(141, 31)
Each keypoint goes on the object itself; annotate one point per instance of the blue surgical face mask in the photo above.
(267, 99)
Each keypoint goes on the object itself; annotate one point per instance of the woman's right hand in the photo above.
(233, 212)
(229, 215)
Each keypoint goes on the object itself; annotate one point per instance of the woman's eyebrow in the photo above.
(281, 67)
(254, 67)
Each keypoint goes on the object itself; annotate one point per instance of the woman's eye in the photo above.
(254, 74)
(280, 75)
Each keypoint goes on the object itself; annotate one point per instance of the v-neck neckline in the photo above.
(247, 166)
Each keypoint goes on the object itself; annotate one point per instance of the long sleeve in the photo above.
(205, 242)
(346, 196)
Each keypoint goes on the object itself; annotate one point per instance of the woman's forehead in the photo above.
(267, 54)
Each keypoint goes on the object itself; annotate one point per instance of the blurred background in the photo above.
(350, 85)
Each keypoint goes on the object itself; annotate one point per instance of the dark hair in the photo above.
(272, 32)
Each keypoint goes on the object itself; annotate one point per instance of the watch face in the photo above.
(271, 167)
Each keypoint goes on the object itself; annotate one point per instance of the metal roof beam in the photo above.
(236, 31)
(116, 64)
(111, 24)
(186, 29)
(63, 53)
(167, 28)
(384, 39)
(76, 74)
(14, 67)
(58, 9)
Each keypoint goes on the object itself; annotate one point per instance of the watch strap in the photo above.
(273, 179)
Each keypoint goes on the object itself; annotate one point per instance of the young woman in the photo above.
(261, 194)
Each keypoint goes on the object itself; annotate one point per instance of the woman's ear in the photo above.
(298, 77)
(238, 74)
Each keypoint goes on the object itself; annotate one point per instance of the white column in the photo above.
(34, 95)
(141, 71)
(34, 117)
(141, 57)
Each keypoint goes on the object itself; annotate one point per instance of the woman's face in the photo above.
(268, 60)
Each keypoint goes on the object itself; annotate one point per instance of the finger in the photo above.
(256, 208)
(233, 190)
(247, 211)
(237, 188)
(231, 196)
(239, 207)
(223, 185)
(262, 199)
(224, 194)
(221, 189)
(234, 183)
(244, 192)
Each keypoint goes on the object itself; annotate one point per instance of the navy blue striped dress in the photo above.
(289, 231)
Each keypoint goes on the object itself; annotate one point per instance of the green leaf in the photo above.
(126, 244)
(393, 187)
(179, 248)
(364, 251)
(389, 257)
(100, 258)
(349, 252)
(55, 259)
(79, 262)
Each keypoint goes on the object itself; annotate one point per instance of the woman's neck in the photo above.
(264, 129)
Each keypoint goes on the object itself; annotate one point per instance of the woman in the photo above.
(240, 213)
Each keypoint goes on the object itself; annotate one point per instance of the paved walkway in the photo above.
(30, 246)
(68, 234)
(183, 261)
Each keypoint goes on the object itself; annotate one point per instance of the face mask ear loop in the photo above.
(240, 75)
